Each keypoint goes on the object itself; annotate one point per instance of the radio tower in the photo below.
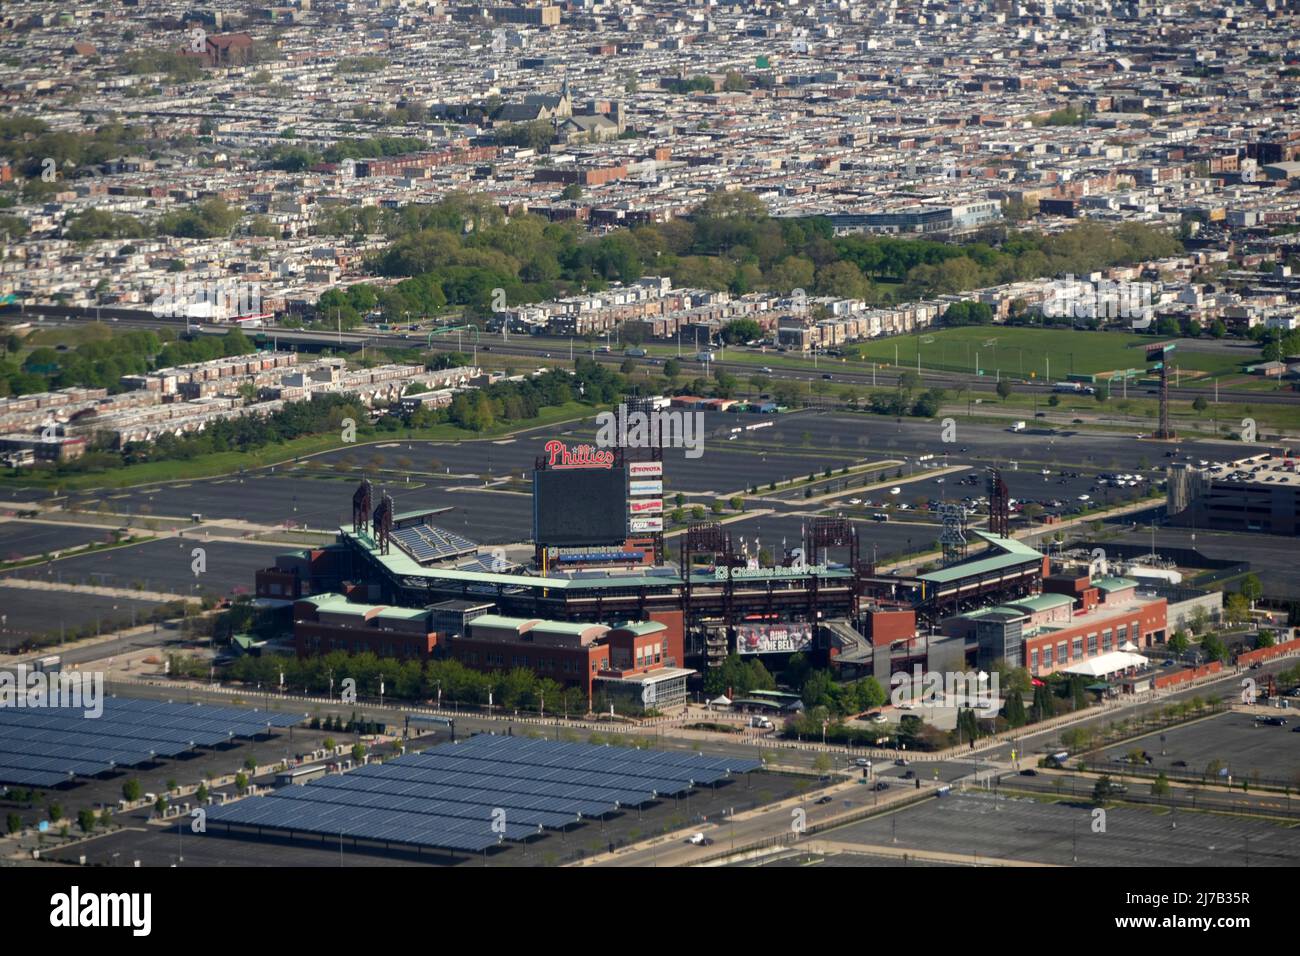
(1159, 355)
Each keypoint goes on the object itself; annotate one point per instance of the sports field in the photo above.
(1033, 353)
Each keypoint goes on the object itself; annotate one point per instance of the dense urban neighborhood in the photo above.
(698, 434)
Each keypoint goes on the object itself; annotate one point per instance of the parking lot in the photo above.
(163, 565)
(979, 826)
(1234, 741)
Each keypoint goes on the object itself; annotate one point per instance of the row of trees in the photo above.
(104, 359)
(403, 679)
(465, 248)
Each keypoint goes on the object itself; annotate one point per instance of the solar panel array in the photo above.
(45, 746)
(449, 797)
(426, 542)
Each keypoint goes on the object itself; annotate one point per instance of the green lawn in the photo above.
(1028, 352)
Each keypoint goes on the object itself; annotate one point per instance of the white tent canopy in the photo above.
(1106, 664)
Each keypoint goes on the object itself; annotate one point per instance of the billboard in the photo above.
(773, 638)
(646, 506)
(645, 487)
(645, 469)
(646, 524)
(580, 506)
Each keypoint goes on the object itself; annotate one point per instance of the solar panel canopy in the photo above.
(474, 794)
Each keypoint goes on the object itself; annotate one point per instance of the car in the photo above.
(862, 762)
(1257, 665)
(1029, 773)
(855, 501)
(879, 719)
(900, 762)
(1179, 763)
(824, 800)
(880, 785)
(896, 490)
(827, 376)
(910, 775)
(697, 839)
(765, 370)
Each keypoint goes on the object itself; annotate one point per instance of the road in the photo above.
(544, 347)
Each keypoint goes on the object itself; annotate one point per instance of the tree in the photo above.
(1101, 393)
(822, 763)
(1160, 786)
(1199, 403)
(1014, 711)
(201, 794)
(131, 790)
(1004, 389)
(1251, 588)
(1179, 642)
(13, 822)
(1214, 648)
(672, 369)
(1101, 792)
(241, 782)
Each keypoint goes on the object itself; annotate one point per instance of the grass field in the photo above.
(1031, 353)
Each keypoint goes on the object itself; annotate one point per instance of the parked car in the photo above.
(1029, 773)
(826, 799)
(900, 762)
(880, 785)
(910, 775)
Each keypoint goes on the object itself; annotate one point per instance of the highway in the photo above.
(544, 348)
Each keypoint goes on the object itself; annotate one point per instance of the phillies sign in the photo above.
(559, 455)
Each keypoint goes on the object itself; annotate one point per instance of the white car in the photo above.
(1085, 497)
(895, 490)
(855, 501)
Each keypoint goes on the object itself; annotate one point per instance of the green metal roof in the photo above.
(1114, 584)
(402, 613)
(1013, 553)
(500, 621)
(1043, 602)
(399, 562)
(564, 627)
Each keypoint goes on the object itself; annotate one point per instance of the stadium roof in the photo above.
(1011, 554)
(398, 562)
